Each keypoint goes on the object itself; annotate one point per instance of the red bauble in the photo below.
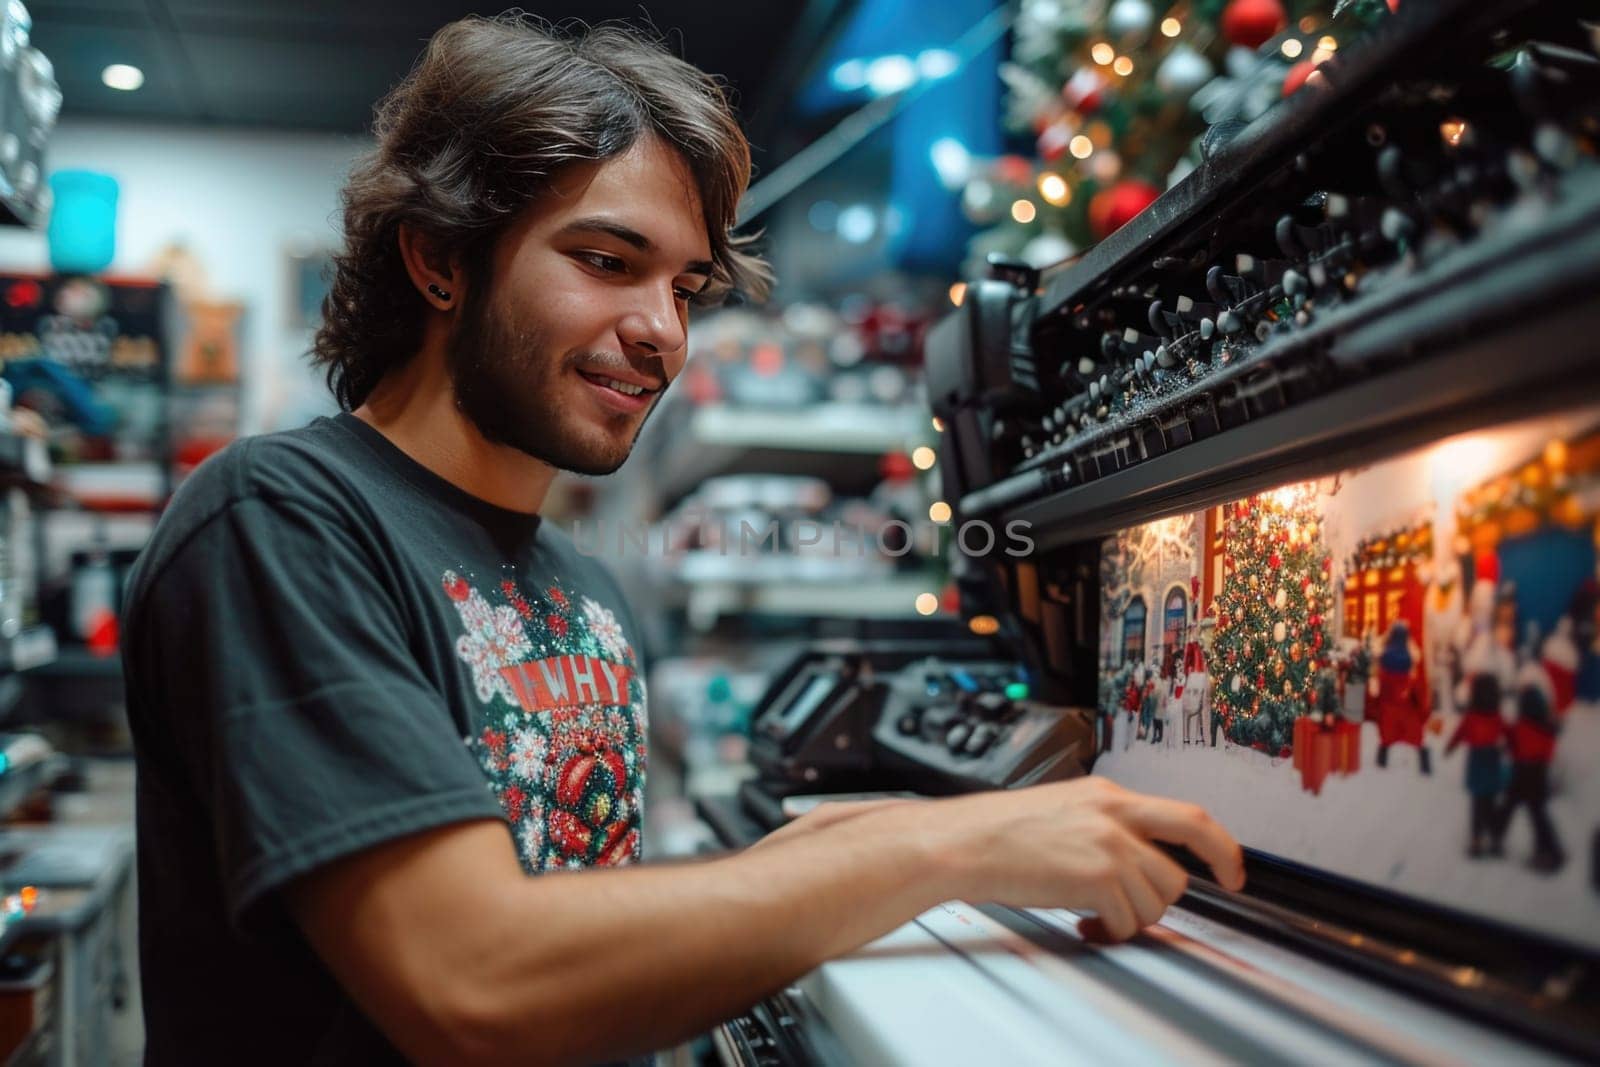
(1297, 76)
(1113, 208)
(1274, 561)
(1252, 23)
(1013, 170)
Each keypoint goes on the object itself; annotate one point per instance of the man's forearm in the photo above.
(597, 963)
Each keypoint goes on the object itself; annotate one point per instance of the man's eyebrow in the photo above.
(629, 235)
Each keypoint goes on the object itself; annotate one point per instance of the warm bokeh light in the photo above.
(1024, 211)
(984, 625)
(1452, 130)
(923, 458)
(1123, 66)
(1081, 147)
(1328, 42)
(1053, 187)
(1171, 27)
(1292, 48)
(938, 424)
(939, 511)
(958, 293)
(927, 604)
(1103, 53)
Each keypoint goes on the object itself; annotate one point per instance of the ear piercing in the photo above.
(442, 294)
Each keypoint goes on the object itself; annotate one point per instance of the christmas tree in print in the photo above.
(1272, 617)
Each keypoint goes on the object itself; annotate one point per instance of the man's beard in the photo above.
(506, 383)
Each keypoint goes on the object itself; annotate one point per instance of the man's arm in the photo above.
(459, 957)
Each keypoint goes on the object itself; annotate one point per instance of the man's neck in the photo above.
(414, 407)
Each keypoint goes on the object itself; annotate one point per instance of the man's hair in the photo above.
(491, 113)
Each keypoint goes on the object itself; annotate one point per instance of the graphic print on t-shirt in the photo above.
(561, 723)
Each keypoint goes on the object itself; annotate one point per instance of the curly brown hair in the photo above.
(492, 112)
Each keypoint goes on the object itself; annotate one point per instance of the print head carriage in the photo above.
(562, 713)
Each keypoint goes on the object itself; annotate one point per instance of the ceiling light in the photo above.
(122, 76)
(937, 63)
(891, 74)
(850, 75)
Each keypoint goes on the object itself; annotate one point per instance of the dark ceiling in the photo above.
(321, 64)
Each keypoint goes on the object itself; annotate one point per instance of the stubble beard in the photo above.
(506, 382)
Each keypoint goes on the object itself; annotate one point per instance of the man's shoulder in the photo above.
(313, 468)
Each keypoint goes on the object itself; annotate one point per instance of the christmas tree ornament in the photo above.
(1280, 598)
(1054, 139)
(1252, 23)
(1182, 72)
(1274, 561)
(1013, 170)
(1084, 91)
(1279, 631)
(1115, 207)
(1129, 22)
(1236, 684)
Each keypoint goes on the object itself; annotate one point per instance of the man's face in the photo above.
(589, 304)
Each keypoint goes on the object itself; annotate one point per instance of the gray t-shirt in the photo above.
(328, 647)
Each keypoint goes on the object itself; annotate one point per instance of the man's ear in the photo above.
(437, 277)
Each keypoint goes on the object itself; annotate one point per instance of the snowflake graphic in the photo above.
(528, 748)
(494, 639)
(604, 628)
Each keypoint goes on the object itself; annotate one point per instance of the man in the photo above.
(371, 693)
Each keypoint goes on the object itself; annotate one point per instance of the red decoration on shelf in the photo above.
(1252, 23)
(1297, 76)
(1113, 208)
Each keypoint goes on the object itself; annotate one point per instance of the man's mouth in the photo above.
(625, 388)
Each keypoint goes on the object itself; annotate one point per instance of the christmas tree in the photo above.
(1273, 617)
(1117, 97)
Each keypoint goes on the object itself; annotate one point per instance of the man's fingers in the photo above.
(1192, 827)
(1148, 906)
(1116, 912)
(1169, 879)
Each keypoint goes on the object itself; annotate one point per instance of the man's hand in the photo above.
(460, 958)
(1082, 844)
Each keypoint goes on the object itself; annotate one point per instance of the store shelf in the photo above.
(821, 440)
(885, 598)
(18, 783)
(31, 649)
(76, 661)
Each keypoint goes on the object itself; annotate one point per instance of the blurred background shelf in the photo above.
(831, 440)
(873, 598)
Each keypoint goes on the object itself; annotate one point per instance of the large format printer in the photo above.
(1310, 456)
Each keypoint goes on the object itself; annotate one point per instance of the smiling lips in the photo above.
(626, 387)
(629, 395)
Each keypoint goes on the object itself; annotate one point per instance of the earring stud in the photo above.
(442, 294)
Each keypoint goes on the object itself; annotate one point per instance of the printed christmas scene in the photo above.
(1392, 674)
